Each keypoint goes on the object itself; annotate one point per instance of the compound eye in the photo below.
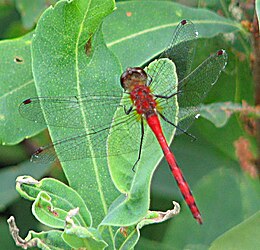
(123, 80)
(131, 77)
(140, 72)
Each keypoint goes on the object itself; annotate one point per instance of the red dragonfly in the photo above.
(151, 98)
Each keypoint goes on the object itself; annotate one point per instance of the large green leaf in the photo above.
(62, 68)
(146, 28)
(31, 10)
(16, 84)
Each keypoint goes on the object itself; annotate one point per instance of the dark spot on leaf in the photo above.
(88, 47)
(123, 231)
(52, 211)
(18, 60)
(55, 213)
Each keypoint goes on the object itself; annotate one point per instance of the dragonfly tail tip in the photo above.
(199, 219)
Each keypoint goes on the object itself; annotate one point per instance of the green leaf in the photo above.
(31, 10)
(45, 212)
(51, 239)
(16, 84)
(127, 237)
(76, 62)
(80, 237)
(8, 176)
(45, 240)
(219, 113)
(243, 236)
(146, 243)
(65, 69)
(136, 186)
(52, 201)
(150, 26)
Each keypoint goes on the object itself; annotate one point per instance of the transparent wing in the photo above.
(194, 88)
(68, 111)
(166, 81)
(181, 51)
(126, 133)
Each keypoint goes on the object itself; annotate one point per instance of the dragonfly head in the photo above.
(132, 77)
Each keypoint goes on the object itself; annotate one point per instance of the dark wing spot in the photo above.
(220, 52)
(183, 22)
(27, 101)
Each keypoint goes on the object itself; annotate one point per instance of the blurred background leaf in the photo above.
(240, 237)
(30, 11)
(143, 25)
(8, 176)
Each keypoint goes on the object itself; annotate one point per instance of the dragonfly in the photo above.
(150, 96)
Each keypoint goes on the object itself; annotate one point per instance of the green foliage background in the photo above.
(228, 197)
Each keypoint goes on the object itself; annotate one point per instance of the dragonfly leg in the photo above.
(141, 144)
(128, 111)
(167, 97)
(149, 80)
(185, 132)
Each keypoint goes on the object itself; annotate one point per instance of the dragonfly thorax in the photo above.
(133, 77)
(143, 100)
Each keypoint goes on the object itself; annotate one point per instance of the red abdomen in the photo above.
(155, 125)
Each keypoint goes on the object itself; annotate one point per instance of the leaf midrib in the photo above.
(167, 26)
(89, 143)
(16, 89)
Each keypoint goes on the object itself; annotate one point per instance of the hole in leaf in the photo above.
(18, 60)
